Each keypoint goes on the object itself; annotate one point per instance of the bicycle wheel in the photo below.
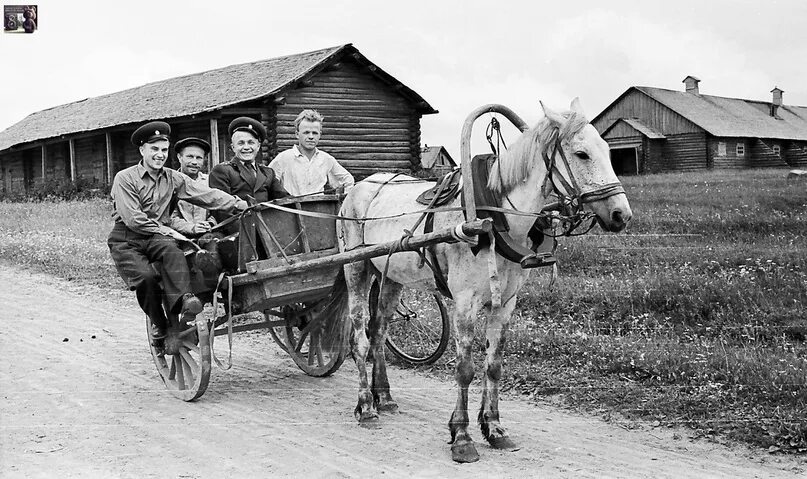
(419, 330)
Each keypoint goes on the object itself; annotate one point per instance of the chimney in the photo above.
(776, 102)
(692, 84)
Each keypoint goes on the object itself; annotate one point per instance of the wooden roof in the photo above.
(729, 117)
(190, 95)
(430, 154)
(638, 126)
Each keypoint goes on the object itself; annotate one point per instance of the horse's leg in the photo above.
(466, 307)
(497, 323)
(377, 330)
(356, 278)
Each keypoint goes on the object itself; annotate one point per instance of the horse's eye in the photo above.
(582, 155)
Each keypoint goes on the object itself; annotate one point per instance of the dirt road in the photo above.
(81, 398)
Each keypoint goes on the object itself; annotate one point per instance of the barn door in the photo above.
(625, 160)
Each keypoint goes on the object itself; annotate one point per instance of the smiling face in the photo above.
(245, 146)
(154, 155)
(308, 135)
(191, 160)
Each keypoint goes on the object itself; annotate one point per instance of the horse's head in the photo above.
(579, 166)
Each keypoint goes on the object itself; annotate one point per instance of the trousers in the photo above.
(133, 254)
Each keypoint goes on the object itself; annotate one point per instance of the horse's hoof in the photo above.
(368, 419)
(464, 451)
(503, 442)
(388, 407)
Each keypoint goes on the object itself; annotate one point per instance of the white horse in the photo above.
(520, 176)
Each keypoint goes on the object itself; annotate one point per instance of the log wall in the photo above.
(368, 127)
(763, 156)
(796, 154)
(729, 159)
(686, 152)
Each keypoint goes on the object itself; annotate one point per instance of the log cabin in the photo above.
(372, 121)
(652, 130)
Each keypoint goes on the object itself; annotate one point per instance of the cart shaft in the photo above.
(470, 228)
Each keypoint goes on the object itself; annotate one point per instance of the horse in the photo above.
(524, 176)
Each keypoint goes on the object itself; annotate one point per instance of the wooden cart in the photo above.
(282, 266)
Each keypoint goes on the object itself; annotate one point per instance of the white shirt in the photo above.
(301, 176)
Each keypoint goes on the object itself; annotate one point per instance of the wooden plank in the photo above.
(255, 266)
(72, 149)
(326, 106)
(110, 162)
(331, 99)
(243, 111)
(351, 95)
(403, 164)
(469, 228)
(344, 144)
(352, 119)
(44, 161)
(214, 143)
(344, 138)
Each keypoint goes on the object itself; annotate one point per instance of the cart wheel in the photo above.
(419, 330)
(302, 339)
(183, 360)
(277, 328)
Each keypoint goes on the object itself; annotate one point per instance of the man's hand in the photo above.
(241, 205)
(165, 230)
(201, 227)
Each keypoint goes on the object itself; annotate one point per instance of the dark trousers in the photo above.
(133, 254)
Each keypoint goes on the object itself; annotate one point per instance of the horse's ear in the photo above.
(576, 107)
(551, 114)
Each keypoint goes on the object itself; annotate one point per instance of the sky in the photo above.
(457, 55)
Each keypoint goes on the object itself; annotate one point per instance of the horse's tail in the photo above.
(336, 325)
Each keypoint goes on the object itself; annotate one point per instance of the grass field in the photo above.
(694, 316)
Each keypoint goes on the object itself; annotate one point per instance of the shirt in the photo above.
(186, 214)
(142, 200)
(301, 176)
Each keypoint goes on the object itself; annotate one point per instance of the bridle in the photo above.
(569, 207)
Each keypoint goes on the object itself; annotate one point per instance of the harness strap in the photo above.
(229, 321)
(493, 273)
(440, 279)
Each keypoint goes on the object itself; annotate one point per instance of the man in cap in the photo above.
(244, 176)
(142, 196)
(188, 218)
(304, 169)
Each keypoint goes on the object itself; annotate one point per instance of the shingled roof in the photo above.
(732, 117)
(188, 95)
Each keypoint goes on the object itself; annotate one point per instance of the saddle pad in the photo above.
(448, 186)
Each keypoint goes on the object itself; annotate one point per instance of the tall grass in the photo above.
(64, 238)
(695, 315)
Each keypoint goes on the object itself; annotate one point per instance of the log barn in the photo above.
(652, 130)
(436, 161)
(372, 121)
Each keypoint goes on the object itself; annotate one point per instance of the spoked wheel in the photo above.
(183, 360)
(419, 330)
(301, 337)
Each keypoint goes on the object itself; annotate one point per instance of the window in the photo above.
(721, 148)
(777, 150)
(740, 149)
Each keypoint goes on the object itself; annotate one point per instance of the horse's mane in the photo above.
(515, 164)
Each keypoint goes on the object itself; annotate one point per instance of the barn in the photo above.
(372, 121)
(436, 161)
(652, 130)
